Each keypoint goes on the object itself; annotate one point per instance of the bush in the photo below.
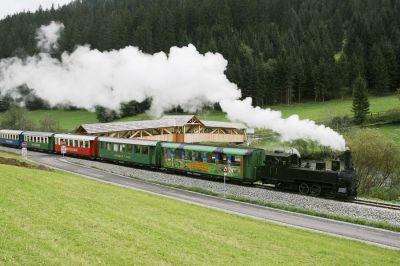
(33, 102)
(105, 115)
(391, 116)
(377, 162)
(5, 103)
(134, 107)
(48, 123)
(17, 118)
(339, 122)
(391, 194)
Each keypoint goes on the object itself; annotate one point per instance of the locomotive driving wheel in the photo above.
(304, 189)
(315, 190)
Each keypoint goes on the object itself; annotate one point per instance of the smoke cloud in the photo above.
(47, 36)
(183, 77)
(291, 128)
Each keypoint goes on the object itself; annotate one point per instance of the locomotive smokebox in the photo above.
(347, 160)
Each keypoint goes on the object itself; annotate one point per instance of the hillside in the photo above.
(278, 51)
(70, 219)
(320, 112)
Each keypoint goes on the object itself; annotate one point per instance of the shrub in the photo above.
(391, 116)
(48, 123)
(105, 115)
(17, 118)
(377, 162)
(339, 122)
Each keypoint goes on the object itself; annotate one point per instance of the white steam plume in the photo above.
(47, 36)
(183, 77)
(291, 128)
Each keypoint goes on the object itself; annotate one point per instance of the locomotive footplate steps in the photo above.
(370, 235)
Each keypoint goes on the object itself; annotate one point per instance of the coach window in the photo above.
(115, 147)
(122, 147)
(198, 156)
(188, 155)
(224, 158)
(145, 150)
(210, 157)
(136, 149)
(236, 160)
(108, 147)
(178, 153)
(217, 157)
(204, 157)
(129, 148)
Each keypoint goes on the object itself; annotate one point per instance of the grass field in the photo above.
(327, 110)
(391, 131)
(57, 218)
(69, 120)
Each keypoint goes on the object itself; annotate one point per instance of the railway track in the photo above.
(377, 204)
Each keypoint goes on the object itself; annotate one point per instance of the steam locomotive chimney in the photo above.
(347, 160)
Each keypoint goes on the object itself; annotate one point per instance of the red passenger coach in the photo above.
(76, 144)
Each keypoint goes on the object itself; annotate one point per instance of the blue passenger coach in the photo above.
(12, 138)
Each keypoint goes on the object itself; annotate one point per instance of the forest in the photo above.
(279, 51)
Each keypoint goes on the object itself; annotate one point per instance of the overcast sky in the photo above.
(8, 7)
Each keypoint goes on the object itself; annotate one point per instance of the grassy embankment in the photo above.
(51, 217)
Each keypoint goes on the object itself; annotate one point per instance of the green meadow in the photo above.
(320, 111)
(52, 217)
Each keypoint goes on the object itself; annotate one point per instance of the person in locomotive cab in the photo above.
(307, 165)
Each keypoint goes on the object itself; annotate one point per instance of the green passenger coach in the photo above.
(41, 141)
(241, 163)
(140, 152)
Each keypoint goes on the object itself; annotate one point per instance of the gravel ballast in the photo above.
(321, 205)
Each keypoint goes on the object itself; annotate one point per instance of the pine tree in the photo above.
(360, 100)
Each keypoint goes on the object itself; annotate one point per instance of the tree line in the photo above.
(279, 51)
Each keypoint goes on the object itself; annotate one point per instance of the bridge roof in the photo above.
(165, 122)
